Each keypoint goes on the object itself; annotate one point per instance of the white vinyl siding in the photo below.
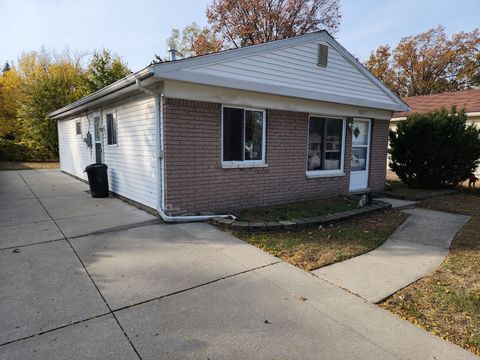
(296, 67)
(74, 154)
(132, 164)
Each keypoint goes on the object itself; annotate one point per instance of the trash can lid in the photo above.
(96, 166)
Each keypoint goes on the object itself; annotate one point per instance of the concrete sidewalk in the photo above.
(163, 291)
(416, 248)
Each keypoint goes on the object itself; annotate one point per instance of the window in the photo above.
(325, 145)
(243, 135)
(78, 127)
(111, 130)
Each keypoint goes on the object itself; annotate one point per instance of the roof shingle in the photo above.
(468, 99)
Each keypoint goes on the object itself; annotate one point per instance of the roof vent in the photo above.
(322, 55)
(172, 54)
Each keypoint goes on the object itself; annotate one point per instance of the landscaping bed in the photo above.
(447, 303)
(313, 248)
(295, 216)
(304, 209)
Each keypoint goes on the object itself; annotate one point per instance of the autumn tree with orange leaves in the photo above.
(194, 40)
(238, 23)
(243, 23)
(429, 63)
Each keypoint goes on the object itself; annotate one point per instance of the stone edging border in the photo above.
(296, 224)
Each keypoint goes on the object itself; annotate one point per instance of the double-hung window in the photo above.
(243, 136)
(326, 138)
(111, 130)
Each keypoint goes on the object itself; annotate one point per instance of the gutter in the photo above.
(158, 97)
(116, 86)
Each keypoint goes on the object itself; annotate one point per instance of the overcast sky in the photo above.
(136, 30)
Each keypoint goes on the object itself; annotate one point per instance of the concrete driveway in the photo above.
(84, 278)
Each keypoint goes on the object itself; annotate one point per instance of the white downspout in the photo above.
(161, 165)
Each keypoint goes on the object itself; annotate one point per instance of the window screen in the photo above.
(78, 128)
(111, 130)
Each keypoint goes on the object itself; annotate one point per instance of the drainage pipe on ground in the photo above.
(158, 98)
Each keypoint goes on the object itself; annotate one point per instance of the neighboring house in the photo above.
(285, 121)
(468, 99)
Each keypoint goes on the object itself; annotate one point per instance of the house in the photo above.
(467, 99)
(284, 121)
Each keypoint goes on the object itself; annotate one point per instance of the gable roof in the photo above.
(468, 99)
(288, 67)
(285, 67)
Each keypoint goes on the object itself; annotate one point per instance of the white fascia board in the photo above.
(198, 78)
(245, 98)
(398, 119)
(115, 87)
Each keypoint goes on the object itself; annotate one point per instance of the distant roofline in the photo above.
(457, 98)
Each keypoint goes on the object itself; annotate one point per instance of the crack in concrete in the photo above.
(112, 311)
(85, 268)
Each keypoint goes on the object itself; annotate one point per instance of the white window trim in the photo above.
(78, 122)
(327, 173)
(114, 114)
(245, 163)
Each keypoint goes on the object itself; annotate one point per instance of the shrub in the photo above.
(435, 149)
(12, 151)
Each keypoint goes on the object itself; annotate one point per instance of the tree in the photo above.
(194, 40)
(41, 82)
(48, 81)
(435, 149)
(429, 63)
(9, 103)
(380, 65)
(249, 22)
(9, 93)
(104, 69)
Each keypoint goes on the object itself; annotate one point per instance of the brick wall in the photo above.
(378, 154)
(195, 181)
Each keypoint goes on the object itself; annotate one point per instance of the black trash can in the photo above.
(98, 180)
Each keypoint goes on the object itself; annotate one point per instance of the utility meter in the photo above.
(88, 139)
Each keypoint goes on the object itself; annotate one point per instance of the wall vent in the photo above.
(322, 55)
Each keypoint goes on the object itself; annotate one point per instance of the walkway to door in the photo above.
(416, 248)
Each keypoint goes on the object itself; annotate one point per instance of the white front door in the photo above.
(360, 154)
